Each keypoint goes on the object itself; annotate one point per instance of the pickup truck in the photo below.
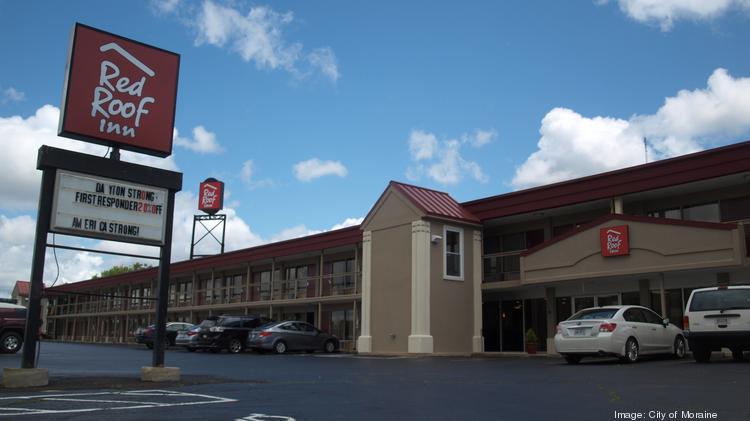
(12, 325)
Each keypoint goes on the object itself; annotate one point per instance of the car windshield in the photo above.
(266, 325)
(721, 299)
(594, 313)
(208, 323)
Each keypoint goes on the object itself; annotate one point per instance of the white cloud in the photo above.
(247, 176)
(422, 145)
(572, 145)
(311, 169)
(348, 222)
(12, 95)
(258, 37)
(480, 137)
(203, 141)
(324, 59)
(666, 12)
(19, 181)
(442, 161)
(302, 230)
(165, 6)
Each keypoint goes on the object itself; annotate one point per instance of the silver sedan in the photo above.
(291, 335)
(626, 332)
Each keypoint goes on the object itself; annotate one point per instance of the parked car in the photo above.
(626, 332)
(290, 335)
(146, 335)
(718, 317)
(12, 325)
(227, 332)
(189, 338)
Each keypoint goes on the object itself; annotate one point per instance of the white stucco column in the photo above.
(617, 205)
(477, 341)
(420, 340)
(364, 342)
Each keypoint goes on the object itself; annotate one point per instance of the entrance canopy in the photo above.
(626, 245)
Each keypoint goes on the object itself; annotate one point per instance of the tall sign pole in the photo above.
(162, 301)
(33, 318)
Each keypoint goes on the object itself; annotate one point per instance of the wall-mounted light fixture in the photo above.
(436, 239)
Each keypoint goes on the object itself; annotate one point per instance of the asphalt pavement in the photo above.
(95, 382)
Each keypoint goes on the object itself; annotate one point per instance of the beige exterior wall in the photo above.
(391, 211)
(451, 302)
(391, 289)
(654, 247)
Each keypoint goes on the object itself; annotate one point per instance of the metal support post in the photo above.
(33, 318)
(163, 299)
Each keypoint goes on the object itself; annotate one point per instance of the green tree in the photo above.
(118, 269)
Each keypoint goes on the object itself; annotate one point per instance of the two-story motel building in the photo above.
(424, 273)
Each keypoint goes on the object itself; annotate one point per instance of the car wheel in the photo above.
(631, 351)
(279, 347)
(573, 359)
(235, 346)
(329, 347)
(11, 342)
(680, 348)
(190, 349)
(701, 353)
(737, 354)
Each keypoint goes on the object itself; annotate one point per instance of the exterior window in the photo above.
(342, 322)
(453, 266)
(708, 212)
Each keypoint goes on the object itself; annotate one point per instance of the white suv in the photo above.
(718, 317)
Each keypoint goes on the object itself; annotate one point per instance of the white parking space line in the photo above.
(101, 401)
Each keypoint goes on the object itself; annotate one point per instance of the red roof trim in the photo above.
(727, 160)
(329, 239)
(435, 203)
(631, 218)
(23, 287)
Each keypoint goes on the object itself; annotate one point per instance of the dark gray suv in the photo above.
(227, 332)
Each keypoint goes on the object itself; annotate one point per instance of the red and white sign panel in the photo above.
(119, 92)
(99, 207)
(614, 241)
(211, 196)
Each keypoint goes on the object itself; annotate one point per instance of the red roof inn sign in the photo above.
(211, 196)
(119, 92)
(614, 241)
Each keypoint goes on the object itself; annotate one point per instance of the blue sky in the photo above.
(306, 109)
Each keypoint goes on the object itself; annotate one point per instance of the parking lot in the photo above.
(93, 382)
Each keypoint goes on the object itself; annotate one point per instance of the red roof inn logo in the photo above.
(119, 92)
(614, 241)
(211, 196)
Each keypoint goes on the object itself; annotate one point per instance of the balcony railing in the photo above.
(501, 267)
(291, 289)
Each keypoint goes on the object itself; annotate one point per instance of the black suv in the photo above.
(227, 332)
